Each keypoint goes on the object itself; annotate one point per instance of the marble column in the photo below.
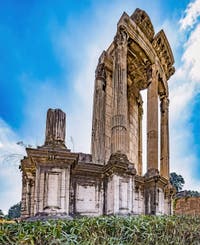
(119, 135)
(24, 213)
(55, 127)
(98, 123)
(32, 191)
(140, 113)
(164, 137)
(152, 120)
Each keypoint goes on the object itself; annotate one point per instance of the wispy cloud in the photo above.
(10, 176)
(192, 13)
(184, 87)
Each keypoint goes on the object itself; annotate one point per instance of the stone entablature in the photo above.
(108, 181)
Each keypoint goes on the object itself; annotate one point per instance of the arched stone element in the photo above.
(141, 18)
(164, 52)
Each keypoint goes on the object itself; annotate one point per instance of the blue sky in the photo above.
(49, 50)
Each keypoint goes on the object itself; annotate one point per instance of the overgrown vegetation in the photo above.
(105, 230)
(14, 211)
(177, 181)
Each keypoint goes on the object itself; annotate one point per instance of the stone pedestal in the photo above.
(119, 185)
(155, 193)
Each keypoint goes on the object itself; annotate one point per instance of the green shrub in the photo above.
(105, 230)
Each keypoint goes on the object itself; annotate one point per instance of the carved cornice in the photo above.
(147, 45)
(139, 70)
(141, 18)
(49, 156)
(164, 52)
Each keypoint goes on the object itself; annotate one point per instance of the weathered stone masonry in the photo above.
(108, 181)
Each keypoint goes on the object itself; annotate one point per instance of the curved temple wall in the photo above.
(58, 182)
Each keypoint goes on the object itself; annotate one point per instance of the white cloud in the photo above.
(184, 87)
(191, 15)
(191, 57)
(10, 176)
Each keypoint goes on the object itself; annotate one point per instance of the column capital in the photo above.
(151, 70)
(100, 72)
(121, 38)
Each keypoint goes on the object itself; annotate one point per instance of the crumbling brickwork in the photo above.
(187, 205)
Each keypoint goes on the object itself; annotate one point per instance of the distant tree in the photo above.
(177, 181)
(14, 211)
(1, 213)
(188, 193)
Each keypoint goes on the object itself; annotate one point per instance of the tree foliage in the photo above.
(1, 213)
(188, 193)
(177, 181)
(14, 211)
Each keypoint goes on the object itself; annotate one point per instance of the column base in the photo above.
(119, 185)
(154, 193)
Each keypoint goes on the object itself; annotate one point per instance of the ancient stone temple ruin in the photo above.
(110, 180)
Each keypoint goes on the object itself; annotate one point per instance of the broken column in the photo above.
(55, 127)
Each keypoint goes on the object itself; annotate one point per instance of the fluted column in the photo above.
(55, 127)
(24, 204)
(140, 113)
(32, 192)
(98, 124)
(119, 141)
(152, 121)
(164, 137)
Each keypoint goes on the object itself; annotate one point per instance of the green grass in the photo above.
(105, 230)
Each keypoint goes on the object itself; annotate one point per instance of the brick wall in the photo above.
(187, 205)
